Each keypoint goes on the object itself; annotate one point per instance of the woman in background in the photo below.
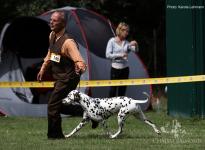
(117, 51)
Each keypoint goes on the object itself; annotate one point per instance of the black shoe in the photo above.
(56, 137)
(94, 124)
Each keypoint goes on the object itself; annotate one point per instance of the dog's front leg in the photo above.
(80, 125)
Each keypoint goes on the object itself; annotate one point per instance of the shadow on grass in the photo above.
(121, 136)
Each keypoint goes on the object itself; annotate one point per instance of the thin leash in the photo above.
(78, 87)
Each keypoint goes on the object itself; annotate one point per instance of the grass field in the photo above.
(26, 133)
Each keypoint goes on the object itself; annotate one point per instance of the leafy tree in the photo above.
(33, 8)
(13, 8)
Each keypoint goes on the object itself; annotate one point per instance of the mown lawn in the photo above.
(27, 133)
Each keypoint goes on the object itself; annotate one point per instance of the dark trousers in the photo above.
(61, 89)
(118, 74)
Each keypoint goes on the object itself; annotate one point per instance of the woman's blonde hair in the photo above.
(120, 27)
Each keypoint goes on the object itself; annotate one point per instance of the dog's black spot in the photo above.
(92, 110)
(127, 112)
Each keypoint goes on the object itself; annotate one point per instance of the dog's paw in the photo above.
(158, 132)
(67, 136)
(112, 136)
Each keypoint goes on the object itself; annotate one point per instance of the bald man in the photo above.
(66, 64)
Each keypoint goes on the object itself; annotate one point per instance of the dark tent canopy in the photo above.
(27, 37)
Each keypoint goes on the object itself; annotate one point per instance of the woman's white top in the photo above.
(115, 53)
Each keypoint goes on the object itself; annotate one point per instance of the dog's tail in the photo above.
(145, 93)
(144, 101)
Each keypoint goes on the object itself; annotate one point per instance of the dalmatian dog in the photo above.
(100, 109)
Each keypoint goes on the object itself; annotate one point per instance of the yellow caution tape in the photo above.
(101, 83)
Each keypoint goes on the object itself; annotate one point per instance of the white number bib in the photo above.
(55, 57)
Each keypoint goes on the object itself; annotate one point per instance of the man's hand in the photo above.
(40, 75)
(80, 67)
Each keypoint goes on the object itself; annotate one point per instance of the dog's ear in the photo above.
(77, 96)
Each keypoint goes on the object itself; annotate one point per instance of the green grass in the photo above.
(26, 133)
